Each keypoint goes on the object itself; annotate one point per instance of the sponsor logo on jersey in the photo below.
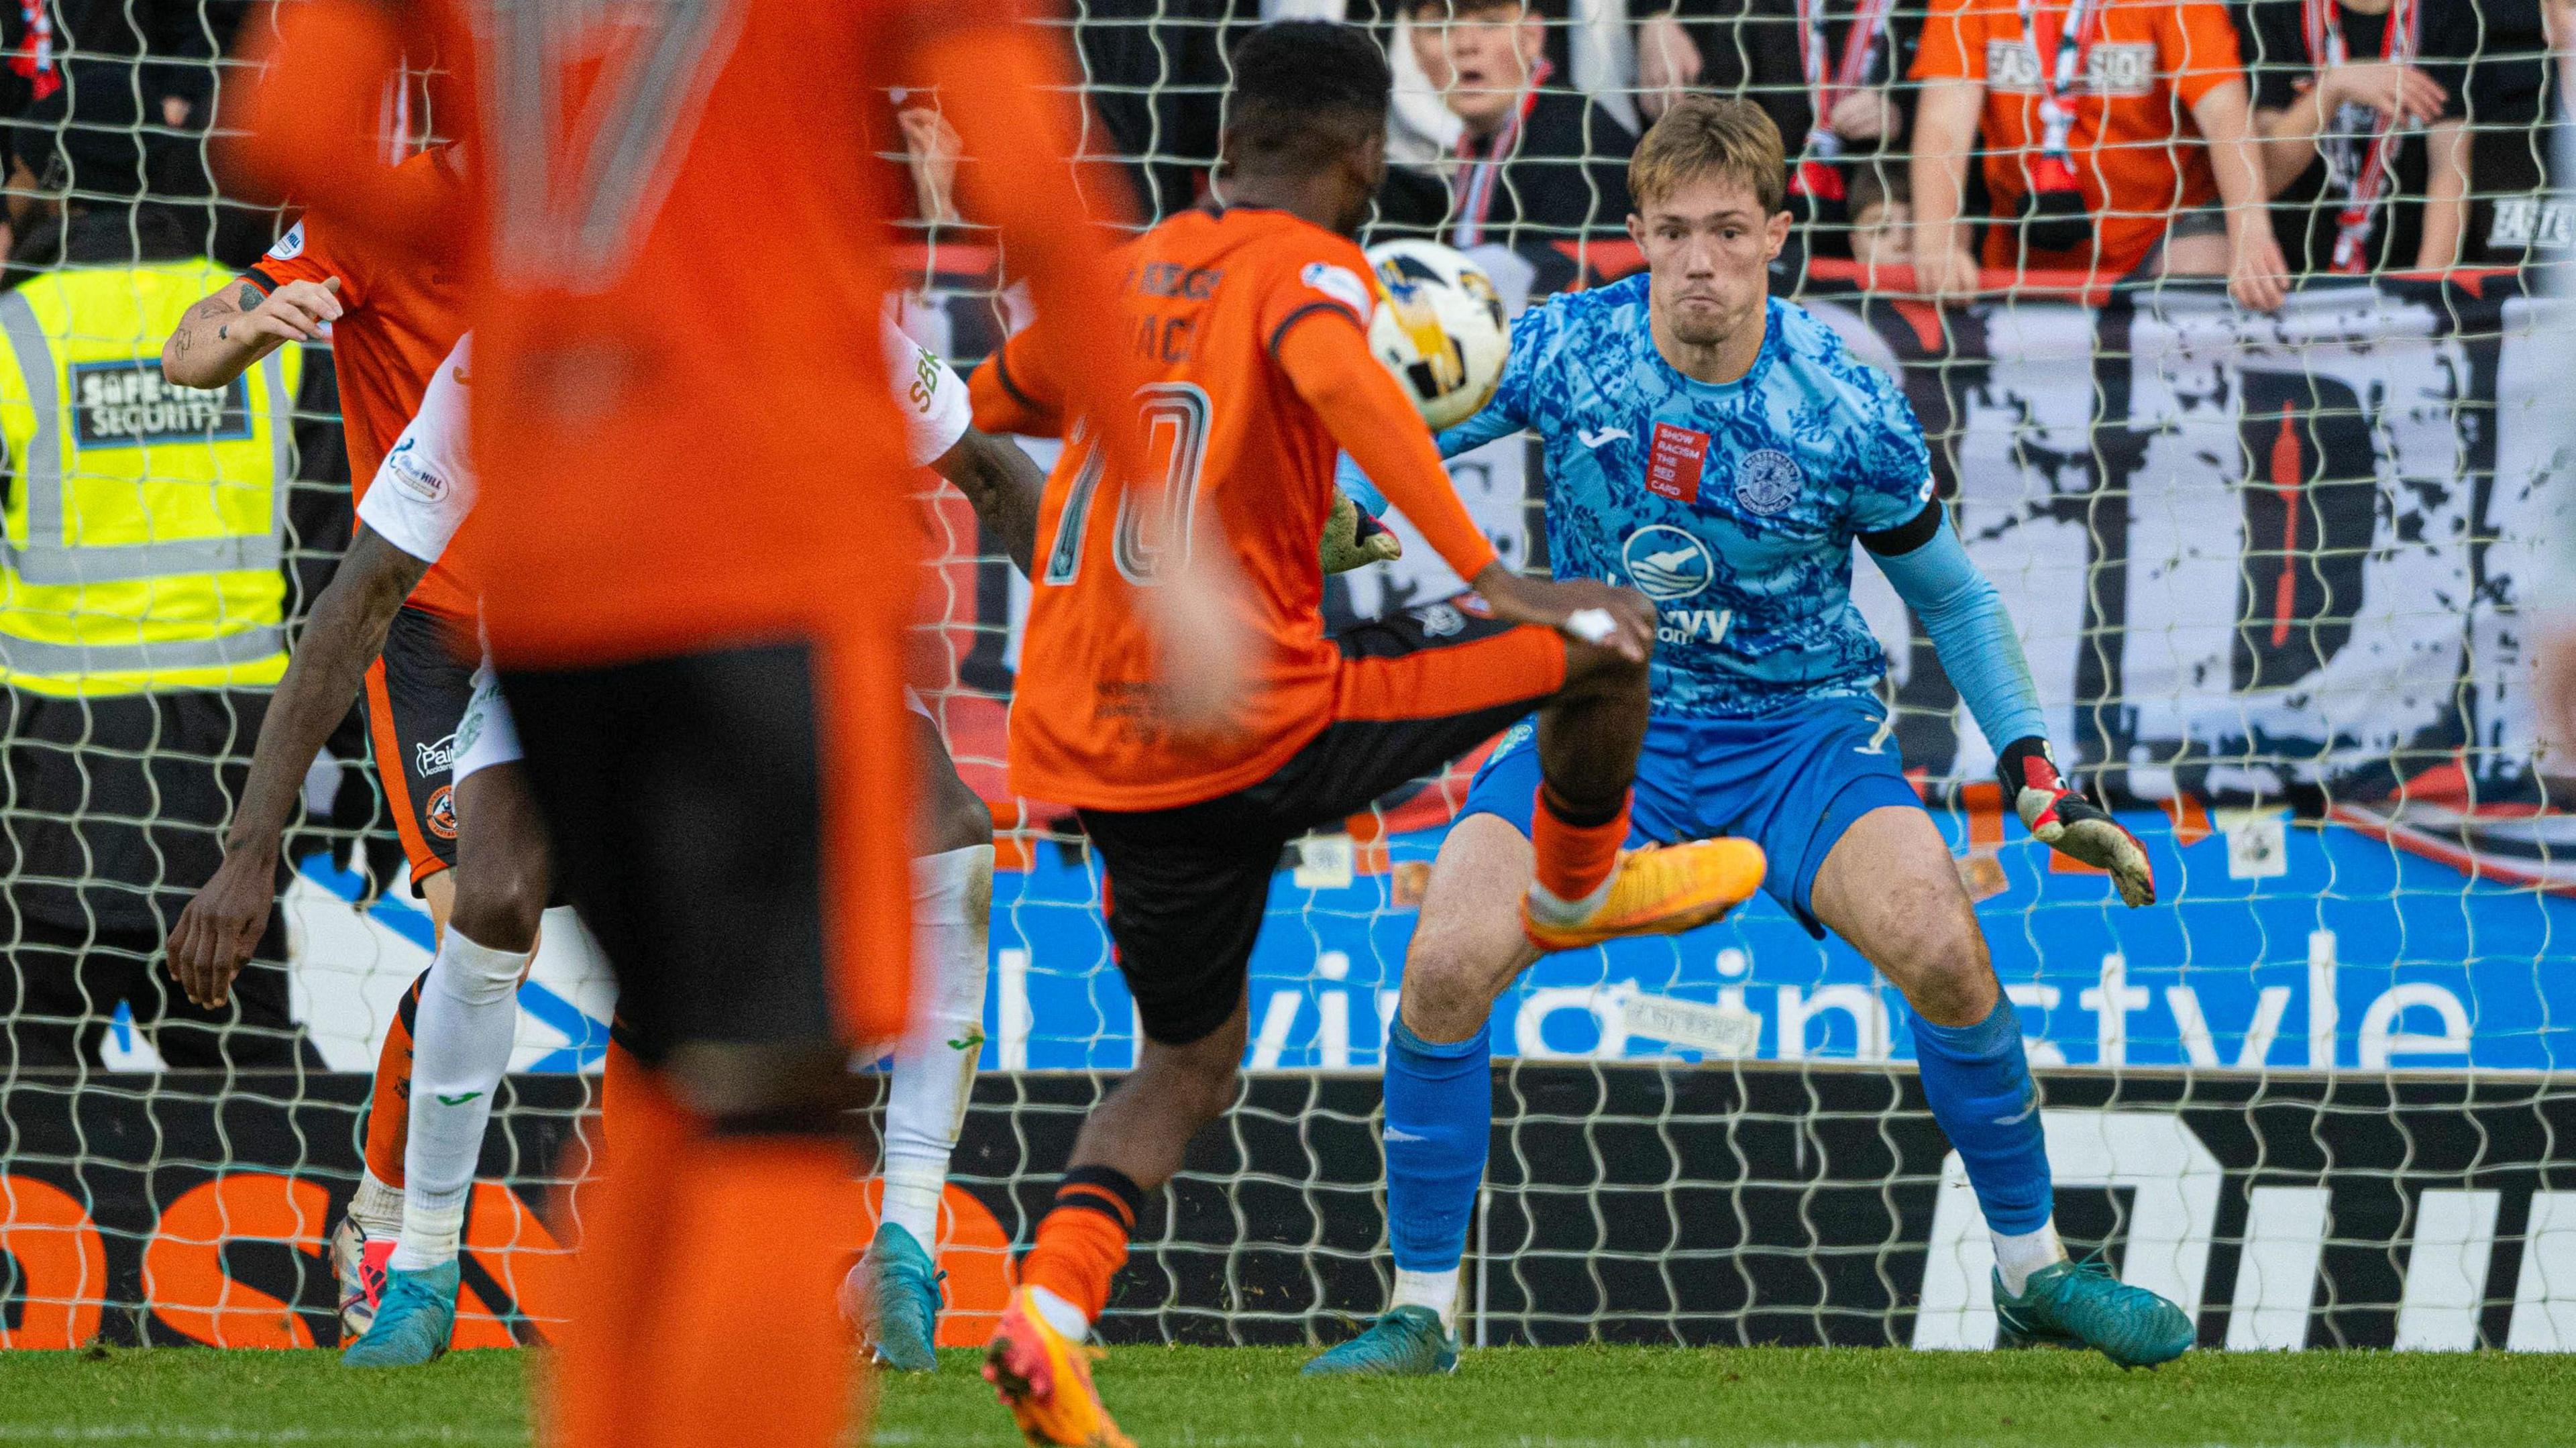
(1341, 284)
(1767, 481)
(441, 814)
(291, 245)
(1603, 438)
(2111, 68)
(127, 403)
(438, 758)
(1674, 463)
(1693, 625)
(411, 471)
(1667, 563)
(926, 370)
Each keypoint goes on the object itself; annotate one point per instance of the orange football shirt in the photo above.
(1236, 318)
(401, 312)
(2138, 156)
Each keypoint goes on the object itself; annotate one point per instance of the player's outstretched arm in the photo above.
(236, 325)
(1974, 639)
(222, 925)
(1327, 360)
(1004, 486)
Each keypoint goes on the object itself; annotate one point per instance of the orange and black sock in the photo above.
(389, 1112)
(1082, 1241)
(1577, 849)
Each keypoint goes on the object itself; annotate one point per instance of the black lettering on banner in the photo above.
(127, 403)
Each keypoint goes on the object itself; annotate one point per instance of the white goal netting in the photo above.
(2283, 576)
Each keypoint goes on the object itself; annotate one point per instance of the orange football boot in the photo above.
(1044, 1378)
(1660, 890)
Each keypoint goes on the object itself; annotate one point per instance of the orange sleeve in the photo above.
(2200, 53)
(1953, 46)
(1005, 85)
(313, 262)
(1327, 359)
(1013, 392)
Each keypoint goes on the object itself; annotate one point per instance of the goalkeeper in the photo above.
(1721, 451)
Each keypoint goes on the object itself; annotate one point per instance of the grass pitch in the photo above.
(1522, 1398)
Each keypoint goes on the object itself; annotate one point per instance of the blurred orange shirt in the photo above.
(400, 315)
(1213, 300)
(2138, 155)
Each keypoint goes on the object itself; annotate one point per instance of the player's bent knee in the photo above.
(745, 1088)
(1942, 966)
(500, 903)
(1449, 988)
(959, 820)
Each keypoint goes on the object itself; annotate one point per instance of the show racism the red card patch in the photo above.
(1673, 464)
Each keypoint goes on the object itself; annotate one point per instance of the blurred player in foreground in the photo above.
(1722, 451)
(391, 316)
(467, 1016)
(690, 459)
(1250, 318)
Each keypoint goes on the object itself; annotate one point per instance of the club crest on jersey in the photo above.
(441, 814)
(1767, 481)
(1667, 563)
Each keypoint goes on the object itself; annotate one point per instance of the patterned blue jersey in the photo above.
(1733, 508)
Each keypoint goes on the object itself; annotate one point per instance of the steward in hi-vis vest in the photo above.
(142, 620)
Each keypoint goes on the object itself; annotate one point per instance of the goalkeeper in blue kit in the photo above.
(1721, 451)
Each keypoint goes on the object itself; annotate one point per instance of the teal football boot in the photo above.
(905, 1293)
(1409, 1342)
(2080, 1304)
(415, 1318)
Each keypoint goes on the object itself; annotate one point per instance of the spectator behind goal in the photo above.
(2089, 159)
(2361, 116)
(1536, 162)
(1824, 70)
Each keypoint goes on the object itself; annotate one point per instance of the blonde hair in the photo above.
(1734, 140)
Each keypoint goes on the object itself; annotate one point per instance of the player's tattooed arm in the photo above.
(221, 337)
(1003, 484)
(345, 633)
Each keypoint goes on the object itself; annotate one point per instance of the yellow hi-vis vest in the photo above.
(145, 521)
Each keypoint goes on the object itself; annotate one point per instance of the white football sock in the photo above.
(1435, 1290)
(461, 1039)
(378, 1207)
(934, 1067)
(1547, 905)
(2016, 1257)
(1061, 1315)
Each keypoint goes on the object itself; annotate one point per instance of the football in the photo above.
(1440, 328)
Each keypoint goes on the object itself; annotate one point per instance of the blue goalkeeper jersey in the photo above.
(1733, 507)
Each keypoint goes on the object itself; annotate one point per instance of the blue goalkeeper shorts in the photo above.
(1790, 782)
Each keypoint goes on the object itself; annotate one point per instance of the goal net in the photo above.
(2284, 576)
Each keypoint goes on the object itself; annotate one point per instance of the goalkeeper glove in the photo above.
(1353, 539)
(2072, 825)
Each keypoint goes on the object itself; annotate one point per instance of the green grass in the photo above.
(1567, 1398)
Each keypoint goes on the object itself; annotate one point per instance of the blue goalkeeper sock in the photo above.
(1439, 1115)
(1978, 1084)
